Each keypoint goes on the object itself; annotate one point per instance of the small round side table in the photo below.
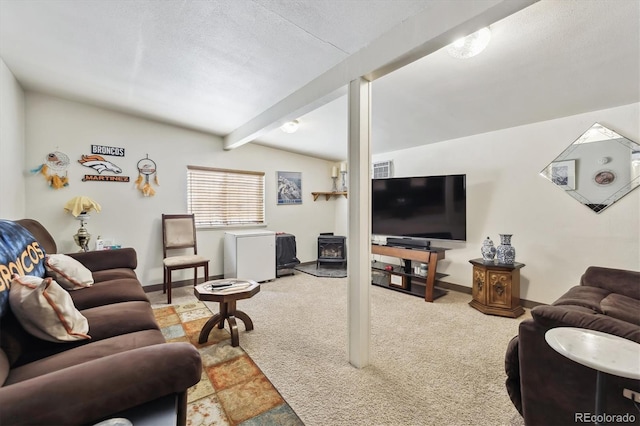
(226, 292)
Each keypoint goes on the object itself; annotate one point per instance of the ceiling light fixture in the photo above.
(470, 45)
(290, 126)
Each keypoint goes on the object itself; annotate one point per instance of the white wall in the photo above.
(554, 235)
(12, 122)
(342, 216)
(133, 220)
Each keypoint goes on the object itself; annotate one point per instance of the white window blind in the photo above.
(221, 197)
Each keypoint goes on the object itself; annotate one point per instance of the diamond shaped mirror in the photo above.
(598, 169)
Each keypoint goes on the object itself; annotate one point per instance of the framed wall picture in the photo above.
(563, 174)
(289, 188)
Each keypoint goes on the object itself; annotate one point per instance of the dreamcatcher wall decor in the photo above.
(54, 169)
(146, 168)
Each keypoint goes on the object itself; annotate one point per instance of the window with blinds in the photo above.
(221, 197)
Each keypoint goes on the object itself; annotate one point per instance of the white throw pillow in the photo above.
(46, 310)
(68, 272)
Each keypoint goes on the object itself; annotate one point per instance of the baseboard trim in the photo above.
(442, 284)
(463, 289)
(530, 303)
(176, 284)
(455, 287)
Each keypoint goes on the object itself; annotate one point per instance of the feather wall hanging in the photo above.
(146, 168)
(54, 169)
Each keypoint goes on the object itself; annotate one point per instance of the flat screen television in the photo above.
(420, 207)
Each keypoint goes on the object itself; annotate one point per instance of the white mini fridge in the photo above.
(250, 255)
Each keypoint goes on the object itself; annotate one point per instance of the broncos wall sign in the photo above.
(98, 163)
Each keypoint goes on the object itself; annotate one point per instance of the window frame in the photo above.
(228, 191)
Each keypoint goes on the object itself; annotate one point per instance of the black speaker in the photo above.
(408, 242)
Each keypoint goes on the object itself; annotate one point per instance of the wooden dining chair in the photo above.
(179, 233)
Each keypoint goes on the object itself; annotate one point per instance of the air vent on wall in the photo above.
(382, 170)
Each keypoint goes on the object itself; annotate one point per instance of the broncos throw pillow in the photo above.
(20, 254)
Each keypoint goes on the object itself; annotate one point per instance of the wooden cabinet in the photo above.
(496, 288)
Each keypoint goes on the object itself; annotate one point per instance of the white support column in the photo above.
(359, 236)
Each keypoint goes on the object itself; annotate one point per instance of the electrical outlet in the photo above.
(632, 395)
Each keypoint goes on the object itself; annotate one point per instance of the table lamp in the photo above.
(80, 207)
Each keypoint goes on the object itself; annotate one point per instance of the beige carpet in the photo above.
(436, 363)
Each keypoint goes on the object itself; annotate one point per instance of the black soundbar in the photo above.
(408, 242)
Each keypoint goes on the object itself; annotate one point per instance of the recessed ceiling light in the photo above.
(471, 45)
(290, 126)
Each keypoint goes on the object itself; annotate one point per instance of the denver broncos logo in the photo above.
(99, 164)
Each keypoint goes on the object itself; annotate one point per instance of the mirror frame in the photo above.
(597, 169)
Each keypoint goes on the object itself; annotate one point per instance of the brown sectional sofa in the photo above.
(549, 389)
(126, 363)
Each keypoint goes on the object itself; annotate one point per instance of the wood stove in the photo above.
(332, 249)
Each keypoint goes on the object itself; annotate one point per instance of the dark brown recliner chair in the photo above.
(549, 389)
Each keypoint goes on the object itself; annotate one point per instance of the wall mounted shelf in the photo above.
(328, 194)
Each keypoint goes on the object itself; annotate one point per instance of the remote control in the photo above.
(212, 286)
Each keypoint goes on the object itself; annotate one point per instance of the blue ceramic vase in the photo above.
(488, 250)
(505, 252)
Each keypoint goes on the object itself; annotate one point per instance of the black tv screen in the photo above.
(422, 207)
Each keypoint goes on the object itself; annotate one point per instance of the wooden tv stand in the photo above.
(405, 276)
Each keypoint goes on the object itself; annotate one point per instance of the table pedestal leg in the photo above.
(600, 395)
(224, 313)
(233, 328)
(208, 326)
(248, 324)
(229, 313)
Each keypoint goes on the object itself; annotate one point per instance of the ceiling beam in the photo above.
(414, 38)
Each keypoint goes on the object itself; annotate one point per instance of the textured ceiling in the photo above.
(214, 65)
(553, 59)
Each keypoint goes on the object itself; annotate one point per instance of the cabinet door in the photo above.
(499, 291)
(478, 289)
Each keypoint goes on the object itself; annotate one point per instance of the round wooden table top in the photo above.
(236, 290)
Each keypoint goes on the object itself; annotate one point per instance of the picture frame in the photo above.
(289, 188)
(563, 174)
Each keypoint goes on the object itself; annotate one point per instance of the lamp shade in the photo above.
(81, 204)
